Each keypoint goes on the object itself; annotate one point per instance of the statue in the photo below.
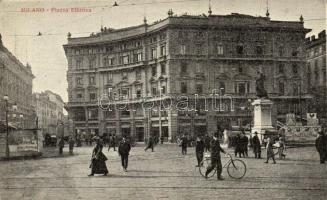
(260, 88)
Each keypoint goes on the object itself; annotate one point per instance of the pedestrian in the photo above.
(238, 144)
(98, 161)
(123, 150)
(215, 158)
(112, 142)
(281, 148)
(256, 146)
(162, 139)
(321, 147)
(207, 143)
(244, 144)
(199, 149)
(150, 144)
(61, 145)
(184, 144)
(71, 143)
(270, 151)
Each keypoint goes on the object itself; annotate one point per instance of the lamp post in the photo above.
(6, 98)
(160, 128)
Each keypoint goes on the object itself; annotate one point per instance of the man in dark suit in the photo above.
(199, 149)
(321, 147)
(215, 157)
(123, 150)
(184, 144)
(256, 146)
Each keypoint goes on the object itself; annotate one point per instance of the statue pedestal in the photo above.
(262, 117)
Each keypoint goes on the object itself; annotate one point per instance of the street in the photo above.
(163, 174)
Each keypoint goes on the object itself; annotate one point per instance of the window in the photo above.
(294, 53)
(125, 93)
(241, 88)
(199, 88)
(154, 71)
(137, 57)
(91, 80)
(163, 50)
(138, 92)
(281, 88)
(199, 49)
(79, 81)
(79, 64)
(153, 53)
(294, 68)
(240, 49)
(222, 88)
(92, 96)
(281, 51)
(259, 50)
(198, 68)
(220, 49)
(183, 87)
(154, 90)
(138, 74)
(163, 89)
(124, 75)
(183, 68)
(79, 96)
(111, 61)
(93, 113)
(163, 68)
(240, 69)
(295, 89)
(281, 68)
(92, 63)
(183, 49)
(125, 60)
(109, 77)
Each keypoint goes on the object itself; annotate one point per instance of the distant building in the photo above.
(16, 81)
(317, 72)
(182, 56)
(49, 110)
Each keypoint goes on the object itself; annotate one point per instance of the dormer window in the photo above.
(240, 49)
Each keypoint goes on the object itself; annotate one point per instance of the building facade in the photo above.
(203, 67)
(16, 81)
(316, 67)
(49, 110)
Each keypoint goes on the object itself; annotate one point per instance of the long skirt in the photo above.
(99, 166)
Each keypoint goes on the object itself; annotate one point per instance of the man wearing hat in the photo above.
(321, 146)
(215, 157)
(256, 146)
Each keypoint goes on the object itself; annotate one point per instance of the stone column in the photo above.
(172, 124)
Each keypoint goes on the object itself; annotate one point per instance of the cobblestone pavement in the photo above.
(163, 174)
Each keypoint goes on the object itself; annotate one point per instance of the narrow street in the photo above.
(163, 174)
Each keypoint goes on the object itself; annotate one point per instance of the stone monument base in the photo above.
(262, 122)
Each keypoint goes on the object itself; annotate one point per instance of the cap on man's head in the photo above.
(256, 132)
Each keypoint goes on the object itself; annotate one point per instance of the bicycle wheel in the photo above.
(203, 168)
(236, 169)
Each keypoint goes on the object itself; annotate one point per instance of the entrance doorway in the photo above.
(140, 134)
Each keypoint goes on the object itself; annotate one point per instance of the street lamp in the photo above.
(160, 128)
(6, 98)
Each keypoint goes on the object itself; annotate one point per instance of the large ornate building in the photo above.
(316, 57)
(49, 110)
(217, 57)
(16, 81)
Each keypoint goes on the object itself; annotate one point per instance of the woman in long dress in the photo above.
(98, 162)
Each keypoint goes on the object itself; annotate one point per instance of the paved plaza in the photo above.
(163, 174)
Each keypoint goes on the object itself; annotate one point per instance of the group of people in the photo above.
(241, 145)
(61, 145)
(98, 159)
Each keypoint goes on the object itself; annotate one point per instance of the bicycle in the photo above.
(236, 168)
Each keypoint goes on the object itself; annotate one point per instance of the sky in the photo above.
(19, 26)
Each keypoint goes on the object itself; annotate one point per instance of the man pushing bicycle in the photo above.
(215, 157)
